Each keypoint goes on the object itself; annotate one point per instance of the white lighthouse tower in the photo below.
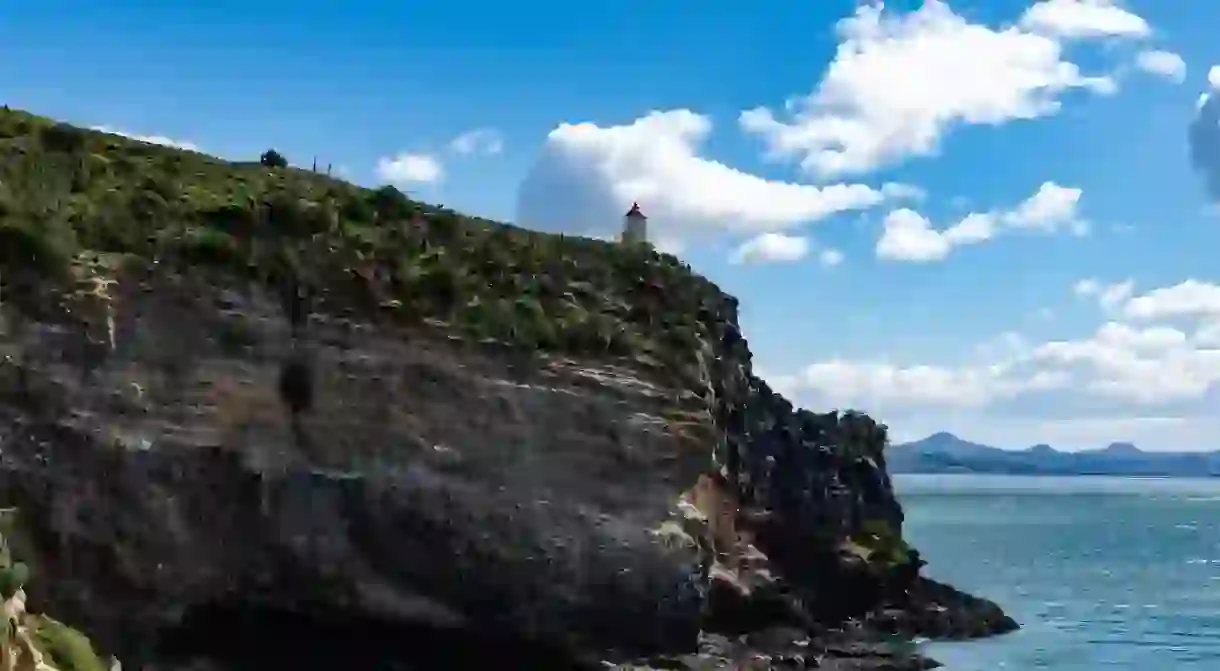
(635, 226)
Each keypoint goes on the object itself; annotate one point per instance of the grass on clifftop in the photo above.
(68, 194)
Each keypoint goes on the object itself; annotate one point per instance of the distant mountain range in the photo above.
(946, 453)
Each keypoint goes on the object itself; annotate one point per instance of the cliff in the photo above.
(248, 411)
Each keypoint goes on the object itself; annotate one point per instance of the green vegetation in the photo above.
(880, 545)
(30, 642)
(272, 159)
(70, 196)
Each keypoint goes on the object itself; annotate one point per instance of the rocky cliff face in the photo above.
(430, 479)
(168, 498)
(252, 413)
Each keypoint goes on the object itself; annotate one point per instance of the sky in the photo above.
(991, 217)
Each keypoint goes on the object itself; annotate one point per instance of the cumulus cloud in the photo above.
(1082, 19)
(909, 236)
(478, 141)
(1143, 366)
(1157, 355)
(878, 384)
(780, 248)
(1163, 63)
(151, 139)
(1119, 364)
(900, 81)
(1203, 136)
(771, 248)
(588, 175)
(1207, 334)
(406, 169)
(1108, 296)
(1189, 299)
(1115, 294)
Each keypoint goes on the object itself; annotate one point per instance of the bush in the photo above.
(273, 159)
(61, 137)
(28, 251)
(207, 246)
(390, 204)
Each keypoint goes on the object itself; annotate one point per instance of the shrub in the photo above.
(273, 159)
(62, 137)
(26, 250)
(390, 204)
(207, 246)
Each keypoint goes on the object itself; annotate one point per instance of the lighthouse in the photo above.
(635, 226)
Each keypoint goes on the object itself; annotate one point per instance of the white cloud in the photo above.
(1119, 364)
(151, 139)
(909, 236)
(903, 191)
(1164, 63)
(1213, 77)
(1052, 207)
(1115, 294)
(1087, 287)
(780, 248)
(830, 257)
(406, 168)
(478, 141)
(900, 81)
(1109, 296)
(1163, 370)
(1151, 365)
(587, 176)
(864, 384)
(771, 248)
(1082, 19)
(1189, 299)
(1208, 334)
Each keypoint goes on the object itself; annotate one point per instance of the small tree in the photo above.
(391, 204)
(273, 159)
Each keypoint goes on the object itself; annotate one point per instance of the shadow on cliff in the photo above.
(244, 636)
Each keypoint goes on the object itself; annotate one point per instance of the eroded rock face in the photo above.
(429, 481)
(187, 461)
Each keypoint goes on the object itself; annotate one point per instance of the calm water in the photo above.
(1103, 573)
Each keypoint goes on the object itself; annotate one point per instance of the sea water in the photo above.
(1101, 572)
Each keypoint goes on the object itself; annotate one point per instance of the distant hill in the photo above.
(946, 453)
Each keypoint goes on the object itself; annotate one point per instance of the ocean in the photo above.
(1101, 572)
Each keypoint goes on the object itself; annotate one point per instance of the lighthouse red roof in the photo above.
(635, 213)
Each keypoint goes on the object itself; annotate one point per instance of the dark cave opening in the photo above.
(242, 636)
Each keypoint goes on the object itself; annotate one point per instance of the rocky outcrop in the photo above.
(284, 417)
(431, 481)
(432, 485)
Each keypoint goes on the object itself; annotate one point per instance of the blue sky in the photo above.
(973, 216)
